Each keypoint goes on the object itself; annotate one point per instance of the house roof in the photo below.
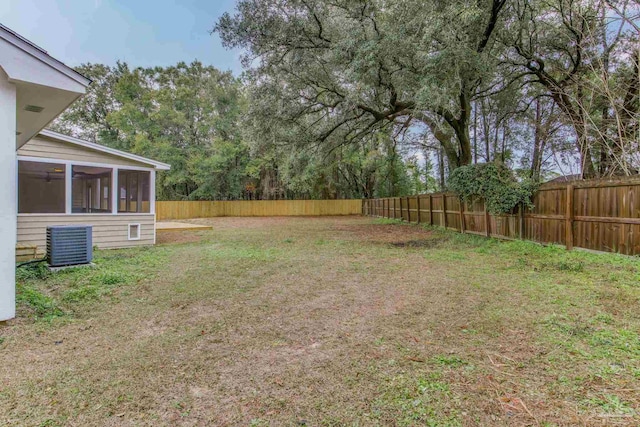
(36, 51)
(44, 86)
(103, 149)
(565, 178)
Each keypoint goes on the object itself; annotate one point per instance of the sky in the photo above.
(140, 32)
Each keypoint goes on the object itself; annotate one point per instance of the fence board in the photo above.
(597, 215)
(166, 210)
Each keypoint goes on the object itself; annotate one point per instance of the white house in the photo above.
(34, 89)
(64, 180)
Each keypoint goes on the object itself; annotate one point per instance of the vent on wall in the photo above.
(34, 108)
(134, 231)
(69, 245)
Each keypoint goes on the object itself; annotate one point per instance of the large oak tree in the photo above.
(334, 72)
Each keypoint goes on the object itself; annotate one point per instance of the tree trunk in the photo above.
(475, 134)
(446, 142)
(504, 142)
(464, 142)
(575, 113)
(485, 123)
(461, 129)
(586, 162)
(441, 168)
(536, 161)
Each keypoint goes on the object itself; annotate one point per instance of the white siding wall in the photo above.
(48, 148)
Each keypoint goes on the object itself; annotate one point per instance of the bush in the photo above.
(495, 183)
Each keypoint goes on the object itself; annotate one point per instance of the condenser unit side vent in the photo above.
(69, 245)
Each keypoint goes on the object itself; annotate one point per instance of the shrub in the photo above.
(495, 183)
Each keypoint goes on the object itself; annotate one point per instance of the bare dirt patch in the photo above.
(384, 233)
(422, 243)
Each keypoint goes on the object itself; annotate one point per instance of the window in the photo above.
(41, 187)
(91, 190)
(134, 231)
(134, 191)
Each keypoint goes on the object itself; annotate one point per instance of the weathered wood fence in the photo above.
(208, 209)
(597, 215)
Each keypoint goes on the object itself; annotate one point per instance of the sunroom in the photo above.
(64, 180)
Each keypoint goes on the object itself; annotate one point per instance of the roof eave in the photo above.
(108, 150)
(39, 53)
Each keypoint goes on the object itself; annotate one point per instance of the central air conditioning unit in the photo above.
(69, 245)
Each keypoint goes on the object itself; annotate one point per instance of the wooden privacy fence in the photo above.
(209, 209)
(597, 215)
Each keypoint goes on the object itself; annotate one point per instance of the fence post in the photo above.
(462, 224)
(444, 209)
(418, 207)
(568, 225)
(430, 209)
(401, 214)
(487, 219)
(408, 210)
(521, 218)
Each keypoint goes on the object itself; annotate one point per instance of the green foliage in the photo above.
(48, 295)
(37, 270)
(337, 73)
(453, 361)
(421, 400)
(222, 146)
(339, 96)
(493, 182)
(187, 115)
(42, 306)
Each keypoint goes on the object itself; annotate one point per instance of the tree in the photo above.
(570, 48)
(335, 72)
(87, 118)
(187, 115)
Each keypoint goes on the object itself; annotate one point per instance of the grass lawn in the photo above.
(323, 322)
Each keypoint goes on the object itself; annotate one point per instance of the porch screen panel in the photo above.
(134, 191)
(91, 189)
(41, 187)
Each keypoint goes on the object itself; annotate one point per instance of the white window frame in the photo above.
(135, 224)
(114, 180)
(152, 191)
